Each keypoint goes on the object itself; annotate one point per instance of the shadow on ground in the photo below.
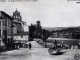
(61, 53)
(4, 50)
(31, 49)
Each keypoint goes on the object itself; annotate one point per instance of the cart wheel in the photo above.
(50, 50)
(58, 50)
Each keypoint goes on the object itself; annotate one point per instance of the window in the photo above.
(0, 13)
(17, 31)
(3, 23)
(0, 32)
(0, 42)
(16, 16)
(8, 32)
(8, 40)
(0, 23)
(8, 23)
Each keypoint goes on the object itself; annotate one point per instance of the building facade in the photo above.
(18, 29)
(11, 29)
(19, 38)
(17, 22)
(6, 30)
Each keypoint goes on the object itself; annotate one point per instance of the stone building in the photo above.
(18, 29)
(6, 30)
(17, 22)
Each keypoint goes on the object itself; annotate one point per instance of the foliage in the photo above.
(72, 32)
(36, 31)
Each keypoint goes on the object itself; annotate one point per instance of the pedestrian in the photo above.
(30, 46)
(55, 42)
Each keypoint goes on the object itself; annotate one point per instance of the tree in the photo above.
(46, 34)
(38, 31)
(32, 29)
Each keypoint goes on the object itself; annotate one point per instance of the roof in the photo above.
(24, 22)
(6, 14)
(16, 21)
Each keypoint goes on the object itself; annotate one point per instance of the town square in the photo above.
(39, 30)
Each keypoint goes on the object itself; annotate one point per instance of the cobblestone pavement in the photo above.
(37, 54)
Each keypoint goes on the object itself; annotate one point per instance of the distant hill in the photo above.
(54, 28)
(65, 32)
(59, 28)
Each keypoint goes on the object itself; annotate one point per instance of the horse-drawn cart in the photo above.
(55, 49)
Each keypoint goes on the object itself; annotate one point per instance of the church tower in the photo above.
(17, 16)
(17, 22)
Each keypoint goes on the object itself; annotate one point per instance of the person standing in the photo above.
(30, 46)
(55, 42)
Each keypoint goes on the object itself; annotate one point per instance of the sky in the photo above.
(51, 13)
